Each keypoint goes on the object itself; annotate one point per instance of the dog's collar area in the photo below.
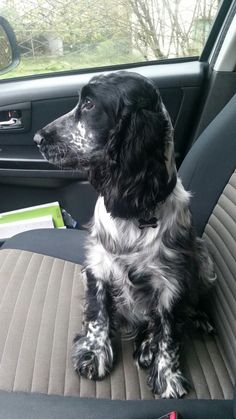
(148, 223)
(153, 222)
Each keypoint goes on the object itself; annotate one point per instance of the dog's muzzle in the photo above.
(38, 139)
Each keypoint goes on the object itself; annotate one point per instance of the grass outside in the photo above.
(44, 65)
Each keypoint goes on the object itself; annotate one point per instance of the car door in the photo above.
(47, 82)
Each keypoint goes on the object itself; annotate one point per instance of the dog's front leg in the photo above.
(145, 345)
(92, 354)
(165, 377)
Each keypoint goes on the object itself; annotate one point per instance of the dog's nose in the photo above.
(38, 139)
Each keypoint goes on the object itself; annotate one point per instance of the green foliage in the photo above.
(43, 65)
(59, 35)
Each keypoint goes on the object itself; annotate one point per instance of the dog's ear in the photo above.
(140, 156)
(169, 145)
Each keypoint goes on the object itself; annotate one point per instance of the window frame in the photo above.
(216, 29)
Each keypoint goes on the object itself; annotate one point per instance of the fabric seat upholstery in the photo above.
(210, 163)
(220, 234)
(41, 311)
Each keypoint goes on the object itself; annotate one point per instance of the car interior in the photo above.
(41, 287)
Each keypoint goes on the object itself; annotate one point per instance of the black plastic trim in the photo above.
(40, 173)
(176, 75)
(41, 406)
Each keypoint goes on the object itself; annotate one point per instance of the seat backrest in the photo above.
(210, 163)
(208, 171)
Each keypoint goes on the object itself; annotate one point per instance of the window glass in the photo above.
(62, 35)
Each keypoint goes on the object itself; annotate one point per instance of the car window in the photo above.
(62, 35)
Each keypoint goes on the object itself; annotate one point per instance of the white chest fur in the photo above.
(117, 247)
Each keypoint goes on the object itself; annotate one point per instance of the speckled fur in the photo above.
(147, 283)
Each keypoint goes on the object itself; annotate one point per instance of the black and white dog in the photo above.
(146, 271)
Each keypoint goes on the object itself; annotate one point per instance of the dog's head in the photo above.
(121, 133)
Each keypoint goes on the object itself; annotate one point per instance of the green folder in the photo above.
(52, 209)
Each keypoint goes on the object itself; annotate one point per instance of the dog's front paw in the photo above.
(203, 323)
(91, 359)
(144, 354)
(168, 384)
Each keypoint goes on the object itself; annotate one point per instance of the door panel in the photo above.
(26, 179)
(77, 197)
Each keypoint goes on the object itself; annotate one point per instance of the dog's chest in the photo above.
(133, 279)
(128, 258)
(131, 295)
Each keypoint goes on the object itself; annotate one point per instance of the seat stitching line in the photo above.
(53, 262)
(67, 345)
(27, 317)
(12, 317)
(54, 328)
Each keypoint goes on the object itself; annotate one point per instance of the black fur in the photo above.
(145, 267)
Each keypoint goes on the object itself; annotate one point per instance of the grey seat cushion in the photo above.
(40, 312)
(65, 244)
(220, 234)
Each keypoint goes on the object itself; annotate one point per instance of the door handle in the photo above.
(11, 123)
(15, 117)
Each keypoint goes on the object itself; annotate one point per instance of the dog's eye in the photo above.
(88, 104)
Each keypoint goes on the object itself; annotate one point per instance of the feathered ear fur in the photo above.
(134, 173)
